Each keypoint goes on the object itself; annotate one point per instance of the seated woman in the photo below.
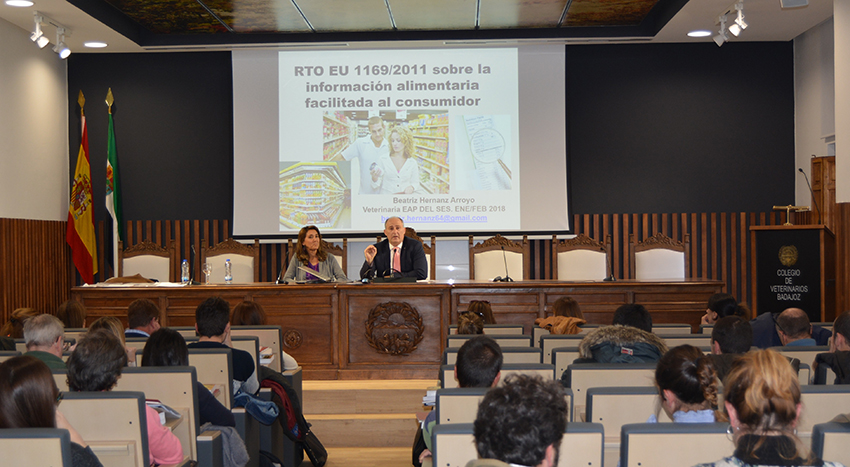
(721, 305)
(482, 308)
(29, 399)
(72, 313)
(687, 385)
(113, 325)
(470, 323)
(398, 172)
(14, 328)
(95, 365)
(567, 317)
(251, 313)
(310, 254)
(762, 398)
(166, 347)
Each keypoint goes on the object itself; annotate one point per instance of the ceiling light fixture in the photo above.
(19, 3)
(739, 24)
(60, 48)
(95, 44)
(37, 32)
(721, 37)
(699, 33)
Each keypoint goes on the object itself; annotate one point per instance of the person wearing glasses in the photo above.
(29, 398)
(143, 316)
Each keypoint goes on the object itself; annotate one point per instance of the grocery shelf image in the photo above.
(315, 193)
(346, 135)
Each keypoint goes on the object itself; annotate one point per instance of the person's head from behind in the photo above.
(470, 323)
(165, 347)
(212, 317)
(96, 362)
(634, 315)
(143, 314)
(46, 333)
(111, 324)
(732, 334)
(248, 313)
(28, 394)
(841, 332)
(762, 394)
(479, 363)
(72, 313)
(14, 328)
(793, 324)
(567, 306)
(483, 309)
(521, 422)
(686, 380)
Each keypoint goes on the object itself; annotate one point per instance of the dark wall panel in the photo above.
(680, 127)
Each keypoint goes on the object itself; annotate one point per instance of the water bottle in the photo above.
(228, 275)
(184, 271)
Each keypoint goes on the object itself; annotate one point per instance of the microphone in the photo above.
(278, 276)
(507, 277)
(814, 201)
(610, 265)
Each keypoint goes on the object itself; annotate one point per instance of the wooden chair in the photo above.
(580, 258)
(495, 329)
(244, 260)
(456, 340)
(36, 446)
(583, 376)
(487, 259)
(430, 252)
(830, 441)
(149, 260)
(659, 257)
(673, 444)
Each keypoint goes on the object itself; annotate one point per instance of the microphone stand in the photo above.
(507, 277)
(814, 201)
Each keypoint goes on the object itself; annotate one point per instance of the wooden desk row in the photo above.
(399, 330)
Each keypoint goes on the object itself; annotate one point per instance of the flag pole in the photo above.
(113, 197)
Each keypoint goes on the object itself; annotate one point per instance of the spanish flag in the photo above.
(80, 233)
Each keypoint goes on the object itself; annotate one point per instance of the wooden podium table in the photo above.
(398, 330)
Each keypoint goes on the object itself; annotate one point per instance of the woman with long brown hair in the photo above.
(311, 254)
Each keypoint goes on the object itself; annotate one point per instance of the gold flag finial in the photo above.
(109, 100)
(81, 100)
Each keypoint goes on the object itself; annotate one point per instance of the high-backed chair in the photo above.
(36, 446)
(830, 441)
(430, 252)
(487, 259)
(669, 444)
(149, 260)
(659, 257)
(244, 260)
(580, 258)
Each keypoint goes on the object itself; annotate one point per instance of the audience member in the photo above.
(567, 317)
(29, 398)
(838, 357)
(765, 333)
(762, 399)
(212, 323)
(478, 365)
(634, 315)
(45, 339)
(14, 328)
(482, 308)
(95, 365)
(143, 317)
(470, 323)
(628, 340)
(721, 305)
(166, 347)
(730, 337)
(72, 313)
(794, 328)
(520, 423)
(687, 385)
(251, 313)
(113, 325)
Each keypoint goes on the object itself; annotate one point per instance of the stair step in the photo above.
(394, 430)
(364, 397)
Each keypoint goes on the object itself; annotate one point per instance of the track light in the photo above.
(721, 37)
(37, 35)
(739, 24)
(60, 47)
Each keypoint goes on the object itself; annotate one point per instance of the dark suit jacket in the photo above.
(413, 262)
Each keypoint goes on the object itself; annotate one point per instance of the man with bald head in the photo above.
(397, 256)
(794, 328)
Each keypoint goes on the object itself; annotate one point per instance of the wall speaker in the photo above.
(793, 3)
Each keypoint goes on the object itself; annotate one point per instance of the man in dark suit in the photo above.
(380, 256)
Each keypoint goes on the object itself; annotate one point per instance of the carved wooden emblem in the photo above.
(292, 339)
(395, 328)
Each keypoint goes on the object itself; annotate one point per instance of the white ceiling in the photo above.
(767, 22)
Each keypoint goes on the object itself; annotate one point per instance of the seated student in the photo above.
(72, 313)
(479, 365)
(14, 328)
(628, 340)
(113, 325)
(687, 385)
(838, 357)
(721, 305)
(212, 323)
(29, 398)
(166, 347)
(567, 317)
(95, 365)
(794, 328)
(765, 333)
(251, 313)
(731, 337)
(482, 308)
(45, 339)
(144, 317)
(470, 323)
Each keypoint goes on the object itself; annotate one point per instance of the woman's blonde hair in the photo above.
(111, 324)
(301, 252)
(406, 139)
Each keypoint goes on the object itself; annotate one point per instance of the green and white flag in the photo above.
(113, 191)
